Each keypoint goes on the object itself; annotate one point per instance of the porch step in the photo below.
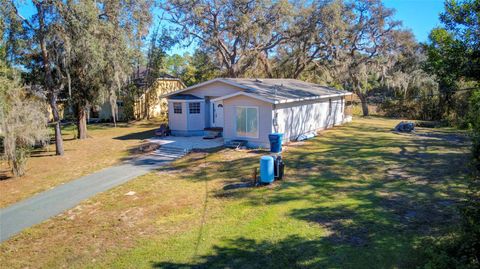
(170, 152)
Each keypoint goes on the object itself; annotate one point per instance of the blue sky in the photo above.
(420, 16)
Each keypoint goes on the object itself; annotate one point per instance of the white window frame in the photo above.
(258, 121)
(190, 108)
(181, 107)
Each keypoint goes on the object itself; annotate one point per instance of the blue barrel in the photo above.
(275, 142)
(266, 169)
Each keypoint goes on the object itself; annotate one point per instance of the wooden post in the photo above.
(255, 176)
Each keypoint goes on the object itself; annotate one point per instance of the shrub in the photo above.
(461, 249)
(23, 123)
(474, 123)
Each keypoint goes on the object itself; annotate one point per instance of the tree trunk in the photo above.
(114, 114)
(113, 107)
(49, 85)
(363, 99)
(81, 123)
(56, 119)
(147, 104)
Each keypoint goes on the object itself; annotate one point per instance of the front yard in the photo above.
(357, 196)
(104, 147)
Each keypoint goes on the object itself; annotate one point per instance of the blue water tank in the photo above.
(266, 169)
(275, 142)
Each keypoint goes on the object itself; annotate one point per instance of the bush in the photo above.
(474, 123)
(421, 108)
(23, 123)
(461, 249)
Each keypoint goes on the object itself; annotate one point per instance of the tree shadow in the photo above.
(404, 190)
(292, 252)
(137, 136)
(4, 175)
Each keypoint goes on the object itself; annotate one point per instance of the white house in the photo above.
(250, 109)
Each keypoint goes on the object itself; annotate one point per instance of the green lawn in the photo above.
(357, 196)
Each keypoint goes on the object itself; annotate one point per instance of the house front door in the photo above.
(217, 114)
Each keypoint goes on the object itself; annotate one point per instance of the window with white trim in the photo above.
(194, 108)
(177, 108)
(247, 121)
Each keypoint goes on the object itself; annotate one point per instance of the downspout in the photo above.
(275, 122)
(275, 116)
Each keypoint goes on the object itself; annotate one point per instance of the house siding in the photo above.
(264, 119)
(147, 105)
(193, 124)
(150, 104)
(186, 124)
(177, 122)
(214, 90)
(296, 118)
(293, 119)
(196, 122)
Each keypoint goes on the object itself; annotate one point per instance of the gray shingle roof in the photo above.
(284, 89)
(272, 90)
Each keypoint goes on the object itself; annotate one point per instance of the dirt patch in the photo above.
(454, 138)
(425, 215)
(345, 231)
(144, 148)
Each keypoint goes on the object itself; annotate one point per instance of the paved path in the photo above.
(50, 203)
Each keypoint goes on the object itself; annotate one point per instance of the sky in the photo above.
(420, 16)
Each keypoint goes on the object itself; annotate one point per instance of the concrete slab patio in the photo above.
(191, 142)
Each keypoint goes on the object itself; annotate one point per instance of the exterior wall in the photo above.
(150, 104)
(61, 111)
(216, 89)
(177, 121)
(193, 124)
(186, 124)
(106, 111)
(294, 119)
(264, 119)
(196, 122)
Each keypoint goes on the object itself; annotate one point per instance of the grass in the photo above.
(357, 196)
(105, 147)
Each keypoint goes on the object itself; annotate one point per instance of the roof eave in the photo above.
(206, 83)
(255, 96)
(284, 101)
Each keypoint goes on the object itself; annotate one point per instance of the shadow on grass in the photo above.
(247, 253)
(290, 252)
(137, 136)
(374, 193)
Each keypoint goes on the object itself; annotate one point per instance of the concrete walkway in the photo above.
(47, 204)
